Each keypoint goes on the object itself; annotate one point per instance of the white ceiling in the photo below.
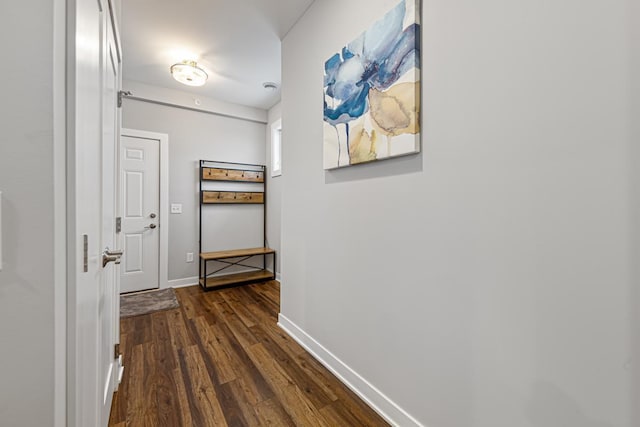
(237, 42)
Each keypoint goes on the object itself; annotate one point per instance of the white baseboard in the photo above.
(277, 275)
(181, 283)
(373, 397)
(120, 369)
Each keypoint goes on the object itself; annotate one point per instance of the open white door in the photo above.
(93, 323)
(108, 308)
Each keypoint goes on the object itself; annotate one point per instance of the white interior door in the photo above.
(140, 177)
(108, 307)
(91, 173)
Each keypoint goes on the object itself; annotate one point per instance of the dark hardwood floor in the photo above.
(221, 360)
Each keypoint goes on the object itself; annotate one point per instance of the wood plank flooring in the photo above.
(221, 360)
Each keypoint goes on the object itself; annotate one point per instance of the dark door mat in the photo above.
(148, 302)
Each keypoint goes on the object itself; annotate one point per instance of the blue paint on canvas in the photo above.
(376, 59)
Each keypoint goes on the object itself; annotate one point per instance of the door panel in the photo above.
(140, 171)
(132, 154)
(133, 255)
(93, 324)
(109, 290)
(133, 197)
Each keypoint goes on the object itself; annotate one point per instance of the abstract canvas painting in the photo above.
(372, 92)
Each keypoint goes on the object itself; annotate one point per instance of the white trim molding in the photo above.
(278, 277)
(60, 218)
(181, 283)
(373, 397)
(276, 148)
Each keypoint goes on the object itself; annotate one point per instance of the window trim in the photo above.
(276, 138)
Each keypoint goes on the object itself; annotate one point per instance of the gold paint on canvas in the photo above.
(395, 111)
(362, 148)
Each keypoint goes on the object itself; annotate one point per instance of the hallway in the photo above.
(220, 359)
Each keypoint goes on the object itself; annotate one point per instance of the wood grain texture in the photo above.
(217, 174)
(230, 279)
(236, 253)
(221, 360)
(232, 197)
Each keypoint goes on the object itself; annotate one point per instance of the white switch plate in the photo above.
(189, 256)
(176, 208)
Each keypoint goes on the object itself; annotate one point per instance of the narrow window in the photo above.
(276, 148)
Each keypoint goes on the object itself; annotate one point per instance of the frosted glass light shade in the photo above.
(189, 73)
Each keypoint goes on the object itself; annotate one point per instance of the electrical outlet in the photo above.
(176, 208)
(189, 256)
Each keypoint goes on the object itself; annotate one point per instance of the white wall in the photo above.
(189, 100)
(633, 44)
(274, 190)
(194, 136)
(27, 159)
(487, 281)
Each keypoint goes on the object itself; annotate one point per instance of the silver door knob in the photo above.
(151, 226)
(111, 256)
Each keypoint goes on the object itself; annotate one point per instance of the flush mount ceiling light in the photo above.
(188, 73)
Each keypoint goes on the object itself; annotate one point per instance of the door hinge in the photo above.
(116, 351)
(121, 94)
(118, 224)
(85, 253)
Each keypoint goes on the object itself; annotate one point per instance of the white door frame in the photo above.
(60, 210)
(163, 138)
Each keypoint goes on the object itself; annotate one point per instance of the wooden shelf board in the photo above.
(232, 197)
(235, 253)
(231, 279)
(238, 175)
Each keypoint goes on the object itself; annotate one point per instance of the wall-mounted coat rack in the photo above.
(237, 173)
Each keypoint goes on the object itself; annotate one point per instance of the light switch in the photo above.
(176, 208)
